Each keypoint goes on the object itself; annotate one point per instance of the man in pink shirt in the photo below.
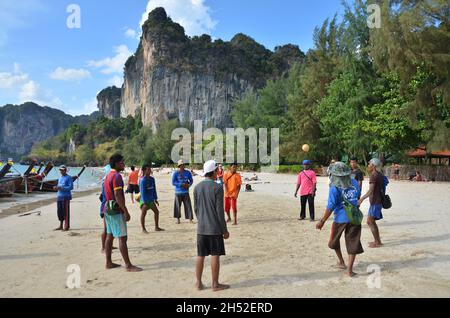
(306, 181)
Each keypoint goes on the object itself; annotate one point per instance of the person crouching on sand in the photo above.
(342, 187)
(149, 197)
(211, 227)
(116, 214)
(64, 187)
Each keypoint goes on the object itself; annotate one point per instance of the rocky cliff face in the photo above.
(108, 102)
(23, 125)
(174, 76)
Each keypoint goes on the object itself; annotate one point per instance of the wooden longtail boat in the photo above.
(8, 183)
(26, 185)
(49, 185)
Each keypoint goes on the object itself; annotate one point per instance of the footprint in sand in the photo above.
(74, 234)
(421, 252)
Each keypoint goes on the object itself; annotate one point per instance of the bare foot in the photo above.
(234, 223)
(341, 265)
(112, 265)
(158, 229)
(199, 286)
(375, 245)
(134, 269)
(65, 230)
(58, 229)
(145, 231)
(351, 274)
(228, 220)
(103, 251)
(191, 221)
(220, 287)
(178, 221)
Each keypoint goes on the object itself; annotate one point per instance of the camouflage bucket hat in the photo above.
(340, 175)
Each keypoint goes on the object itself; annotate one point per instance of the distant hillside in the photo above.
(21, 126)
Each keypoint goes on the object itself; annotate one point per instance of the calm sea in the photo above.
(90, 179)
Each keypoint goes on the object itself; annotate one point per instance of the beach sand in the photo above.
(269, 254)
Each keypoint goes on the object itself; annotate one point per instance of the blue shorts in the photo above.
(375, 211)
(116, 225)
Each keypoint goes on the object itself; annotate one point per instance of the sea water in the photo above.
(90, 179)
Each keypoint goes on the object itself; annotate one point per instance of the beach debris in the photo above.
(29, 213)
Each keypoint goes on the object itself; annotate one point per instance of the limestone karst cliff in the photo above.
(21, 126)
(174, 76)
(108, 102)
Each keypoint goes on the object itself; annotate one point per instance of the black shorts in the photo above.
(210, 245)
(133, 188)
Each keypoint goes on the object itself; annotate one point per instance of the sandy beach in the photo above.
(269, 254)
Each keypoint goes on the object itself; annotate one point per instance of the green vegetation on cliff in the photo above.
(242, 56)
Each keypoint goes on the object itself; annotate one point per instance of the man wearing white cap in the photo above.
(211, 227)
(64, 187)
(182, 181)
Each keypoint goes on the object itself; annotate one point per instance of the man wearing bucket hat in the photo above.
(211, 227)
(343, 189)
(182, 181)
(64, 187)
(376, 186)
(306, 182)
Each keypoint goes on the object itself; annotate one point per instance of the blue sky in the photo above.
(45, 61)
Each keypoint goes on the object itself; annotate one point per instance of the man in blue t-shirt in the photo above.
(342, 186)
(64, 187)
(182, 181)
(149, 197)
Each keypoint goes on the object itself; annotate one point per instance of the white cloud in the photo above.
(18, 87)
(90, 106)
(29, 91)
(12, 80)
(116, 81)
(193, 15)
(130, 33)
(69, 74)
(113, 64)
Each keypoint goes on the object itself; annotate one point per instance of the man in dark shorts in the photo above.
(64, 187)
(376, 186)
(342, 186)
(211, 227)
(356, 174)
(116, 223)
(182, 181)
(133, 182)
(396, 170)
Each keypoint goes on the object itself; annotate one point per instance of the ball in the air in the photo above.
(305, 147)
